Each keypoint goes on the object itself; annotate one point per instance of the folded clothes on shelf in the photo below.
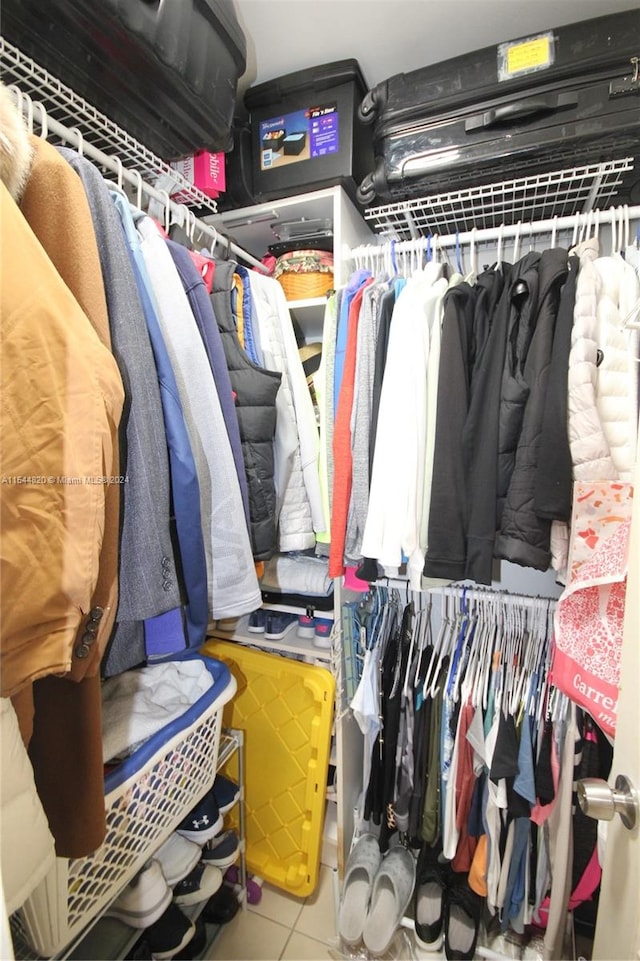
(297, 574)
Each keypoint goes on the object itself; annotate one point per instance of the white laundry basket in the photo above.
(146, 797)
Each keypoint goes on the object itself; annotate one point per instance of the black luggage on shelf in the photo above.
(165, 72)
(564, 97)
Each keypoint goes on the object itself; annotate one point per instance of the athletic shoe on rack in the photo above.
(170, 934)
(196, 946)
(226, 792)
(200, 885)
(322, 633)
(278, 623)
(222, 907)
(257, 621)
(177, 857)
(306, 627)
(203, 822)
(222, 851)
(144, 900)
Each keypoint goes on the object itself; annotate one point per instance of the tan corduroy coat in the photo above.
(62, 399)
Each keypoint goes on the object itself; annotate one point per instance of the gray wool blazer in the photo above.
(148, 582)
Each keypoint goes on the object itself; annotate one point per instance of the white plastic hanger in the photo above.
(412, 644)
(447, 631)
(425, 638)
(615, 246)
(473, 258)
(516, 242)
(499, 253)
(138, 178)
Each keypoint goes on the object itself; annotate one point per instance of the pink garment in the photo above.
(205, 267)
(352, 582)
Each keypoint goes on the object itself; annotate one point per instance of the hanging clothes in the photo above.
(255, 390)
(360, 423)
(185, 489)
(299, 499)
(524, 537)
(148, 580)
(232, 582)
(71, 389)
(200, 302)
(446, 540)
(342, 453)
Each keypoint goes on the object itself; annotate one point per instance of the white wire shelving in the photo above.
(64, 105)
(54, 110)
(561, 193)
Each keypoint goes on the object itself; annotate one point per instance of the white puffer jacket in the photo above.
(300, 510)
(26, 844)
(588, 441)
(617, 372)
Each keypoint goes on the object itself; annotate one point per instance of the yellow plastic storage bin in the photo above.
(285, 709)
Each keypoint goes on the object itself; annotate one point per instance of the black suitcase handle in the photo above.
(520, 109)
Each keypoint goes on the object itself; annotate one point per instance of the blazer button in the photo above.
(95, 614)
(88, 637)
(82, 650)
(166, 584)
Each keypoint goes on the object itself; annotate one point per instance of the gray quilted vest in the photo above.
(255, 392)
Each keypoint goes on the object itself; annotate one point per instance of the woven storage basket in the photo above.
(305, 273)
(303, 286)
(146, 797)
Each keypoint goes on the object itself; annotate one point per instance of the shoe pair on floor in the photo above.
(375, 895)
(445, 909)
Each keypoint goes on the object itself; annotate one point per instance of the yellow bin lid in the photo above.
(285, 709)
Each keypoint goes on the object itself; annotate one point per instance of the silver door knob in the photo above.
(598, 800)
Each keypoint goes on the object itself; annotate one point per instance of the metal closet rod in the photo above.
(132, 177)
(480, 593)
(520, 230)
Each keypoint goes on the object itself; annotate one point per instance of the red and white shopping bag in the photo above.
(589, 618)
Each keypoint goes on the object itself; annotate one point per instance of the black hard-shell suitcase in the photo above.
(238, 169)
(564, 97)
(167, 72)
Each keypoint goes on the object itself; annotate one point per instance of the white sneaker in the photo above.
(144, 900)
(178, 857)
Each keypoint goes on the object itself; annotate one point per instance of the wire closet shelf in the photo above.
(73, 112)
(61, 112)
(560, 193)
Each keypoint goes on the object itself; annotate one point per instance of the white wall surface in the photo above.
(392, 36)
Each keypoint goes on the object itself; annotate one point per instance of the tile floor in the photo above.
(281, 927)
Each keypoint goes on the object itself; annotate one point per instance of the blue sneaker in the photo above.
(322, 633)
(226, 793)
(203, 822)
(278, 623)
(222, 851)
(306, 626)
(257, 621)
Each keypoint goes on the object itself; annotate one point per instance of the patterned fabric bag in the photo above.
(589, 618)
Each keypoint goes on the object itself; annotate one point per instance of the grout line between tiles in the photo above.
(286, 944)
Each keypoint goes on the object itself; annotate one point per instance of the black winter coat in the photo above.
(524, 536)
